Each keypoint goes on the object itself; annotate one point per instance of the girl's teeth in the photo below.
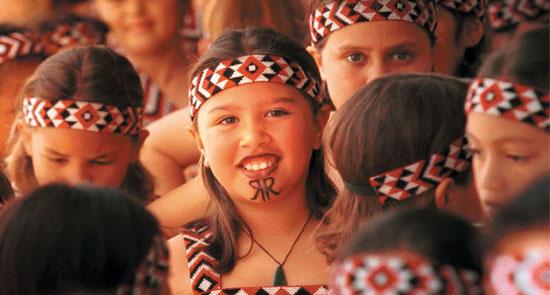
(257, 167)
(263, 165)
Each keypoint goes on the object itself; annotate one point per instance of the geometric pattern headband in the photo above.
(509, 100)
(70, 35)
(250, 69)
(414, 179)
(400, 273)
(507, 14)
(16, 44)
(338, 14)
(520, 273)
(82, 115)
(475, 7)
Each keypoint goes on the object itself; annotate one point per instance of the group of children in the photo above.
(349, 166)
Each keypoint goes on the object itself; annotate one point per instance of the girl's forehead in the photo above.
(72, 141)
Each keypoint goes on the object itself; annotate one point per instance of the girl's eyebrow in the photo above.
(56, 153)
(284, 99)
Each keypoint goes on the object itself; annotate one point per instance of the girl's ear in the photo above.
(442, 198)
(143, 134)
(198, 141)
(472, 31)
(316, 54)
(323, 114)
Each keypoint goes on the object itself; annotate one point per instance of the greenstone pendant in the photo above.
(280, 278)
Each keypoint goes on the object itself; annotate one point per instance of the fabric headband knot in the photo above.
(527, 273)
(69, 35)
(250, 69)
(340, 13)
(401, 273)
(509, 100)
(153, 272)
(475, 7)
(507, 14)
(82, 115)
(403, 183)
(16, 44)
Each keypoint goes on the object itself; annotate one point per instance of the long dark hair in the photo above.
(226, 225)
(394, 121)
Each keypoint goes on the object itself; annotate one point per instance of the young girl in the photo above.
(80, 240)
(258, 119)
(399, 142)
(420, 251)
(508, 108)
(21, 52)
(80, 121)
(517, 260)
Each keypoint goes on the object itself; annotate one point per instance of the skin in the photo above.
(77, 156)
(348, 63)
(508, 157)
(21, 12)
(280, 122)
(13, 74)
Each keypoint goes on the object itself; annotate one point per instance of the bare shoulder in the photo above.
(178, 279)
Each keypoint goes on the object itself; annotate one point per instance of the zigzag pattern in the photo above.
(509, 100)
(338, 14)
(82, 115)
(249, 69)
(17, 44)
(201, 265)
(506, 14)
(402, 183)
(302, 290)
(477, 7)
(70, 35)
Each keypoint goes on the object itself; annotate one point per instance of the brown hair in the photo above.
(225, 223)
(95, 74)
(394, 121)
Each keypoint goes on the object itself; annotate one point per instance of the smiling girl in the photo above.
(258, 121)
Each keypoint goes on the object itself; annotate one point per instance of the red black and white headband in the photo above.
(506, 14)
(17, 44)
(152, 274)
(475, 7)
(340, 13)
(400, 273)
(69, 35)
(82, 115)
(509, 100)
(250, 69)
(527, 273)
(414, 179)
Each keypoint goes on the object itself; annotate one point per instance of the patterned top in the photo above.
(205, 280)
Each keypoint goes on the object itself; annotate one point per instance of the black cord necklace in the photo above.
(279, 279)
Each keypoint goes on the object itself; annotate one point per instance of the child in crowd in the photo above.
(80, 240)
(21, 52)
(508, 109)
(518, 261)
(80, 121)
(258, 120)
(419, 251)
(399, 142)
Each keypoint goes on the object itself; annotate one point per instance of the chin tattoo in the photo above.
(264, 188)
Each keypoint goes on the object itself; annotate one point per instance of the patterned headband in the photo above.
(519, 274)
(16, 44)
(509, 100)
(250, 69)
(70, 35)
(506, 14)
(338, 14)
(414, 179)
(475, 7)
(82, 115)
(400, 273)
(152, 274)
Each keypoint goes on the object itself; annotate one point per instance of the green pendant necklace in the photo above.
(279, 279)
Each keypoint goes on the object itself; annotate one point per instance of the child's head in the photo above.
(517, 259)
(411, 251)
(258, 119)
(21, 52)
(460, 36)
(399, 142)
(508, 119)
(81, 122)
(356, 41)
(6, 191)
(61, 239)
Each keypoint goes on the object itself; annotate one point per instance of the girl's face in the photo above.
(141, 26)
(76, 156)
(258, 140)
(357, 54)
(508, 156)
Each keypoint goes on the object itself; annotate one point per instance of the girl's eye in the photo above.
(355, 58)
(228, 121)
(402, 56)
(517, 158)
(57, 160)
(277, 113)
(100, 162)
